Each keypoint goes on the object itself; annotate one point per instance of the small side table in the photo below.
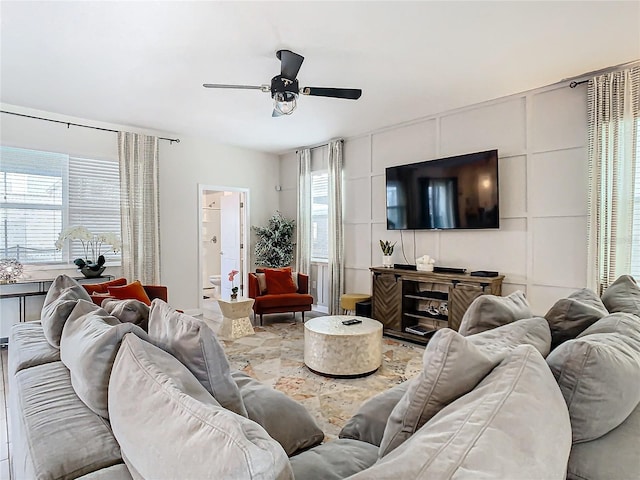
(235, 321)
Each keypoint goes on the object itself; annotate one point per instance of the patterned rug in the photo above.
(274, 356)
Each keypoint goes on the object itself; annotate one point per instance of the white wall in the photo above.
(182, 167)
(541, 137)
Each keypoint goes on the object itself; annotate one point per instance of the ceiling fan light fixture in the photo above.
(285, 102)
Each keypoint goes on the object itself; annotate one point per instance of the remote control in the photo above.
(352, 321)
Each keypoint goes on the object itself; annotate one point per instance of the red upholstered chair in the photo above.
(299, 301)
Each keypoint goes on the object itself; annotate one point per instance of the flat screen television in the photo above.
(447, 193)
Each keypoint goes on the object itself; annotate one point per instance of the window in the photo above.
(635, 239)
(42, 193)
(319, 216)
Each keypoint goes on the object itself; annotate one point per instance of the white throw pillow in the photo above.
(61, 298)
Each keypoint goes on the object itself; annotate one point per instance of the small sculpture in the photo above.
(425, 263)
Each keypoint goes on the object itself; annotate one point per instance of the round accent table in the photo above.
(337, 350)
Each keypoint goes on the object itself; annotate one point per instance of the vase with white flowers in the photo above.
(234, 289)
(93, 262)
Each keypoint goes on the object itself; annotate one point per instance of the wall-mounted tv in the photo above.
(446, 193)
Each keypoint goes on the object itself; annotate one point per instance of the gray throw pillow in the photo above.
(491, 311)
(513, 425)
(90, 341)
(599, 378)
(452, 366)
(128, 311)
(169, 426)
(369, 422)
(500, 341)
(623, 323)
(623, 295)
(60, 300)
(284, 419)
(570, 316)
(193, 343)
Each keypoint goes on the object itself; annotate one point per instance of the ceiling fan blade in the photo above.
(290, 63)
(276, 113)
(264, 88)
(349, 93)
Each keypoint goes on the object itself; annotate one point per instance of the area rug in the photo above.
(274, 356)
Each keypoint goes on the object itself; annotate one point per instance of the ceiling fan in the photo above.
(284, 87)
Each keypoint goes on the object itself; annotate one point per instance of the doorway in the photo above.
(222, 244)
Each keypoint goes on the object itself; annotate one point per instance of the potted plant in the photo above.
(234, 289)
(275, 245)
(92, 265)
(387, 252)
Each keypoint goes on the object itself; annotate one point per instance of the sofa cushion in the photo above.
(451, 367)
(599, 377)
(133, 290)
(54, 434)
(491, 311)
(29, 347)
(103, 287)
(60, 300)
(474, 437)
(284, 419)
(193, 343)
(128, 311)
(90, 341)
(623, 295)
(184, 430)
(279, 281)
(369, 422)
(499, 341)
(334, 460)
(117, 472)
(612, 456)
(570, 316)
(284, 300)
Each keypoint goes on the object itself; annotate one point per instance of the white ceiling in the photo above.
(143, 64)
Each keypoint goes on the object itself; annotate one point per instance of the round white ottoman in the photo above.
(338, 350)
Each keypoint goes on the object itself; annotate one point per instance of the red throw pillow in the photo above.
(104, 286)
(134, 290)
(279, 281)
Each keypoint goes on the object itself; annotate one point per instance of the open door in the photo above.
(230, 241)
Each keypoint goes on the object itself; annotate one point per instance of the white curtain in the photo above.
(303, 226)
(614, 113)
(336, 238)
(139, 209)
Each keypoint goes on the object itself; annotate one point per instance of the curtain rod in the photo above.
(575, 83)
(320, 145)
(68, 124)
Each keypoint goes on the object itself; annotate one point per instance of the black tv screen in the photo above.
(447, 193)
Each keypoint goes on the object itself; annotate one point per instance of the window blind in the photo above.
(319, 216)
(94, 200)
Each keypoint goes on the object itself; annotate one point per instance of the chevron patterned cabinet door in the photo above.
(387, 300)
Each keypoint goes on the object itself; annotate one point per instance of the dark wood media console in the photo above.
(405, 300)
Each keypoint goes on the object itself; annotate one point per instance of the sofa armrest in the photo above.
(254, 287)
(156, 291)
(303, 283)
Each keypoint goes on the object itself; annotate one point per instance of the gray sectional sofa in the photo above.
(95, 398)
